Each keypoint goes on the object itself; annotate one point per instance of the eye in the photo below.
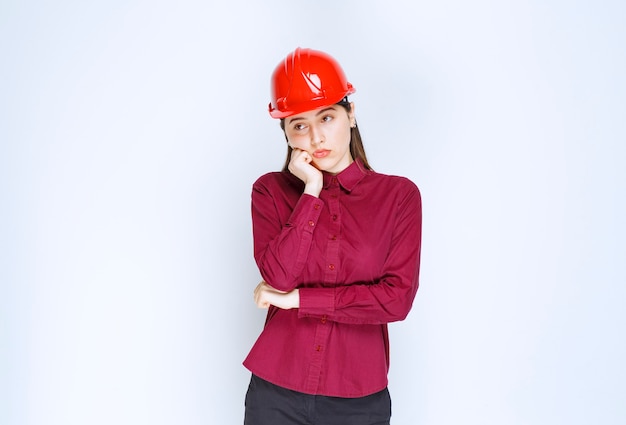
(327, 118)
(299, 127)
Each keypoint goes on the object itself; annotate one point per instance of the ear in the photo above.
(351, 115)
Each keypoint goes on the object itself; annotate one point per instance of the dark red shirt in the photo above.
(354, 254)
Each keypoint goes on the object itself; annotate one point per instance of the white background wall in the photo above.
(130, 135)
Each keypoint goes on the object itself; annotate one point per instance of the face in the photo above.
(325, 134)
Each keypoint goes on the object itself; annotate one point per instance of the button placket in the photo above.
(332, 224)
(334, 228)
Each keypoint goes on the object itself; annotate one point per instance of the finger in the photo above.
(260, 295)
(301, 156)
(259, 286)
(257, 293)
(261, 301)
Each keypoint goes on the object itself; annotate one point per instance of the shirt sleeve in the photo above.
(389, 298)
(282, 247)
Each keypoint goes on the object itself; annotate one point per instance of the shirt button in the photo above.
(334, 180)
(333, 237)
(317, 206)
(334, 217)
(331, 266)
(318, 348)
(311, 223)
(323, 319)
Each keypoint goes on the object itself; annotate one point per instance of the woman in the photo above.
(338, 247)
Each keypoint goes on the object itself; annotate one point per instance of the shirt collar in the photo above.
(349, 177)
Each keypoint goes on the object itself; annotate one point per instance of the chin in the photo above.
(326, 168)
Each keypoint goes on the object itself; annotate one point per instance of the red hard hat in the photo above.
(305, 80)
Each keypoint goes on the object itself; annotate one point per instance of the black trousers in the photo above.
(269, 404)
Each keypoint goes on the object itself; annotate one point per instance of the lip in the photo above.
(321, 153)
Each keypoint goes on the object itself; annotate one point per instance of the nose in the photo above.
(317, 136)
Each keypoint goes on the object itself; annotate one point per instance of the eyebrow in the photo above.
(330, 108)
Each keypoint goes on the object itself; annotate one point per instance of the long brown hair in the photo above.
(356, 143)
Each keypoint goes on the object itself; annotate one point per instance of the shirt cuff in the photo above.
(316, 302)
